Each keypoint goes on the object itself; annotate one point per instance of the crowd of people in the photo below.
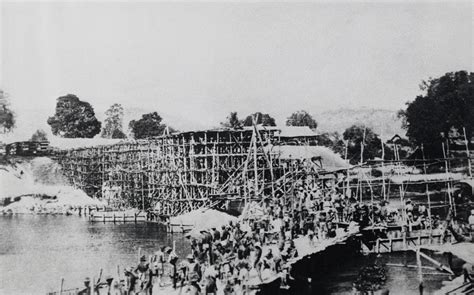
(238, 257)
(228, 258)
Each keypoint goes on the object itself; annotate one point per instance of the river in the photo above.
(36, 251)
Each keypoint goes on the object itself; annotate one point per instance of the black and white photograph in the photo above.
(230, 147)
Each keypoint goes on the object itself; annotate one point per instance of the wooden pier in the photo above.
(117, 217)
(122, 217)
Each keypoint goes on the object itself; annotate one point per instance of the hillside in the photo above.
(37, 185)
(383, 122)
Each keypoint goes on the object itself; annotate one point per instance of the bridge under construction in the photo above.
(180, 172)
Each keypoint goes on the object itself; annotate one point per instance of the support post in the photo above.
(440, 265)
(420, 272)
(62, 287)
(383, 172)
(362, 147)
(468, 153)
(448, 182)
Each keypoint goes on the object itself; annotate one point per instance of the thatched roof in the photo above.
(296, 131)
(329, 159)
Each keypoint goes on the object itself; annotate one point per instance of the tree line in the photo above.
(445, 107)
(75, 118)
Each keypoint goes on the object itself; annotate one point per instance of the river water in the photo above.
(36, 251)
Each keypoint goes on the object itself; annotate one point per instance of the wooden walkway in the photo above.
(387, 245)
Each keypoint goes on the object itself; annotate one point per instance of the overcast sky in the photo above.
(194, 63)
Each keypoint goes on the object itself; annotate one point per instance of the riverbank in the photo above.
(57, 201)
(36, 186)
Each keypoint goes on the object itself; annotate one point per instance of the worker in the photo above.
(172, 259)
(211, 284)
(87, 287)
(192, 272)
(216, 234)
(468, 271)
(159, 259)
(471, 220)
(143, 273)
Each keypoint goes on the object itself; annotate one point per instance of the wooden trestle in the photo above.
(179, 172)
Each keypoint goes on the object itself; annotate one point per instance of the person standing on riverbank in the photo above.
(131, 280)
(159, 262)
(173, 259)
(87, 287)
(143, 273)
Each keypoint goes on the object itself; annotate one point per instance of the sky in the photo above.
(194, 63)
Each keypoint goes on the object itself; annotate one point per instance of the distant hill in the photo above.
(381, 121)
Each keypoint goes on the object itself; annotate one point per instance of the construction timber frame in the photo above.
(181, 172)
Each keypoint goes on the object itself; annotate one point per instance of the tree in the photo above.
(334, 141)
(301, 118)
(233, 121)
(39, 135)
(7, 117)
(263, 119)
(74, 118)
(118, 134)
(148, 126)
(356, 135)
(114, 122)
(400, 146)
(447, 105)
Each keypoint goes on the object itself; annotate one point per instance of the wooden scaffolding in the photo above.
(178, 172)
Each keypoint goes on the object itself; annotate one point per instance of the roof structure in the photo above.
(286, 131)
(329, 159)
(422, 178)
(297, 131)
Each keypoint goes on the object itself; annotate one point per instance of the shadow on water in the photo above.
(335, 271)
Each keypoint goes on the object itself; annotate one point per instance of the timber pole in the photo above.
(468, 153)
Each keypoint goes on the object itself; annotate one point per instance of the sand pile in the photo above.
(204, 219)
